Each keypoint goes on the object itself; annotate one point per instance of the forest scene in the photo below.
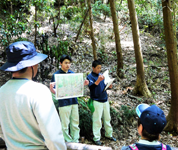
(136, 40)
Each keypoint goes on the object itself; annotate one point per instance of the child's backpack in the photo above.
(134, 147)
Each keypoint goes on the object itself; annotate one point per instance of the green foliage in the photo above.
(85, 119)
(127, 112)
(150, 16)
(102, 54)
(99, 8)
(123, 115)
(20, 39)
(69, 12)
(42, 5)
(116, 117)
(62, 48)
(73, 13)
(12, 27)
(54, 52)
(13, 22)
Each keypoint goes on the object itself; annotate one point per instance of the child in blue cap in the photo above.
(150, 124)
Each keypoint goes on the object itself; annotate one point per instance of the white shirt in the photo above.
(148, 142)
(28, 117)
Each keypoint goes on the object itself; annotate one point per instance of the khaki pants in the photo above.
(70, 117)
(101, 110)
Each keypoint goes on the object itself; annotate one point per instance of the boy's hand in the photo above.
(110, 86)
(52, 84)
(100, 78)
(86, 82)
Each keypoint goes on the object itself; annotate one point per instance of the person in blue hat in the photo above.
(28, 116)
(151, 123)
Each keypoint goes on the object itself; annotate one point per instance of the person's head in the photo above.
(20, 56)
(151, 121)
(96, 66)
(65, 62)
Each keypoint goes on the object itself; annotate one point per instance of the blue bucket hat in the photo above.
(152, 118)
(20, 55)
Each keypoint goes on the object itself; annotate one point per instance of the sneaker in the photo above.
(112, 138)
(98, 142)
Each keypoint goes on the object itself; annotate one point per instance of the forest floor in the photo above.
(156, 74)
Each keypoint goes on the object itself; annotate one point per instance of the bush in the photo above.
(85, 119)
(100, 8)
(122, 118)
(69, 12)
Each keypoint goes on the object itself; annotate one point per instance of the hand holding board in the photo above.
(107, 80)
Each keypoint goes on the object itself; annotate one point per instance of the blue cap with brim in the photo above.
(140, 108)
(20, 55)
(152, 118)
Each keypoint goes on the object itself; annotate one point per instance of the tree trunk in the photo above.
(117, 39)
(172, 118)
(141, 86)
(35, 25)
(55, 25)
(91, 28)
(81, 25)
(11, 8)
(174, 18)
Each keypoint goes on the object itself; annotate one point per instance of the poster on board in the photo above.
(69, 85)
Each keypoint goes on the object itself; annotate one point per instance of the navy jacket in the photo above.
(146, 147)
(64, 102)
(97, 92)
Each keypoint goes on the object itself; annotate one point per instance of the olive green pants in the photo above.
(101, 110)
(70, 117)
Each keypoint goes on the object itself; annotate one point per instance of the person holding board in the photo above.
(67, 107)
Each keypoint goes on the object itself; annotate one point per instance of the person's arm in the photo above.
(48, 120)
(51, 87)
(91, 83)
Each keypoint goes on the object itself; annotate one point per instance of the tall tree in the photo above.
(91, 30)
(174, 7)
(40, 6)
(141, 86)
(35, 24)
(55, 16)
(117, 39)
(172, 117)
(81, 25)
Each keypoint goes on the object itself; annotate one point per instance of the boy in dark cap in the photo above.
(150, 124)
(28, 116)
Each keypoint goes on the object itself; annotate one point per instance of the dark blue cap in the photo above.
(20, 55)
(152, 118)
